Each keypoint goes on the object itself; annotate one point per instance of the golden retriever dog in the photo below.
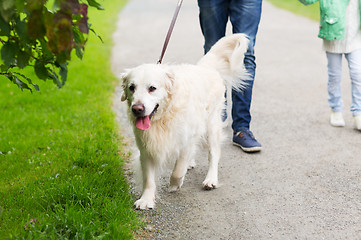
(175, 108)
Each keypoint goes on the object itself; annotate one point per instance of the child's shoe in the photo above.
(336, 119)
(357, 120)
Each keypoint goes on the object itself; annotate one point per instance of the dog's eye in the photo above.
(152, 89)
(132, 88)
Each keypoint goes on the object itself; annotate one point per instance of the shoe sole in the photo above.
(251, 149)
(337, 124)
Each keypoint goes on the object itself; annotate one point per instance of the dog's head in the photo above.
(146, 88)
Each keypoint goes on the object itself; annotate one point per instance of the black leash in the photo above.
(170, 31)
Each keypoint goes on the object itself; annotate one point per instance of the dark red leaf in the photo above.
(72, 5)
(83, 25)
(35, 4)
(84, 9)
(36, 28)
(59, 32)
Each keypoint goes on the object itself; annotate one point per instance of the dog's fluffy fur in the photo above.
(174, 108)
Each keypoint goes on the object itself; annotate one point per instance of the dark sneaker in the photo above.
(245, 140)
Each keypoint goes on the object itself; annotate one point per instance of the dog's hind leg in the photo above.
(185, 161)
(214, 154)
(192, 163)
(147, 200)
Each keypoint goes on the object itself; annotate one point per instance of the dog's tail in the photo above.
(226, 56)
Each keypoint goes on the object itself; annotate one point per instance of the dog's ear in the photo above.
(170, 81)
(124, 78)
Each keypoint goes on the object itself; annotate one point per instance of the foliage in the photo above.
(61, 154)
(31, 35)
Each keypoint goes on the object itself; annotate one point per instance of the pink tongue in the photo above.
(143, 123)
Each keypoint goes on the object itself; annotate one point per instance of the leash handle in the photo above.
(170, 30)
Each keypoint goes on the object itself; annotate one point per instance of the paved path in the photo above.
(305, 184)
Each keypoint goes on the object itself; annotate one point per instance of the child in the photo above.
(341, 34)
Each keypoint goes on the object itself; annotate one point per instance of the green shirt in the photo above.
(332, 18)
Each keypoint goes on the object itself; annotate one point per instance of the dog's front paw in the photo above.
(210, 184)
(144, 204)
(175, 184)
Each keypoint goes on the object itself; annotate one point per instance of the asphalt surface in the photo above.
(304, 184)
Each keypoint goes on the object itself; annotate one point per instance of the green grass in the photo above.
(311, 11)
(61, 171)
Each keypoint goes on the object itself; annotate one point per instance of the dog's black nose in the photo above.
(138, 109)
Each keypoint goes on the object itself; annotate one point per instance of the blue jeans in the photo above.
(334, 80)
(245, 16)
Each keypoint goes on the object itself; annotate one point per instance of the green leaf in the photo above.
(4, 27)
(95, 4)
(23, 76)
(55, 78)
(63, 72)
(78, 36)
(23, 59)
(80, 42)
(10, 77)
(79, 52)
(45, 50)
(63, 56)
(8, 53)
(19, 5)
(7, 9)
(13, 77)
(3, 68)
(56, 5)
(40, 70)
(21, 29)
(36, 87)
(8, 4)
(97, 35)
(21, 84)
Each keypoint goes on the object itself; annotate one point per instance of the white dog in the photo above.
(174, 108)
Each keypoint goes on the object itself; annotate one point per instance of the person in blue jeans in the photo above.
(245, 16)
